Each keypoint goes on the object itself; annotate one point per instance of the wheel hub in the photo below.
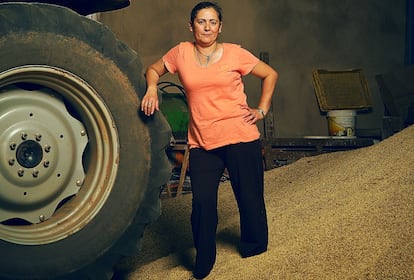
(68, 157)
(41, 147)
(29, 154)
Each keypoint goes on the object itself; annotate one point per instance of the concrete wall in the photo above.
(299, 35)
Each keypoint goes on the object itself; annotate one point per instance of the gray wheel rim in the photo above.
(61, 148)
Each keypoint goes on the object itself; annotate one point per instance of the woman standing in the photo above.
(222, 132)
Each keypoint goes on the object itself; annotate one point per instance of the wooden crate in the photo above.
(341, 90)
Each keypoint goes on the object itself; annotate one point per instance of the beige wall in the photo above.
(300, 35)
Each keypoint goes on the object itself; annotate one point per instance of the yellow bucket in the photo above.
(341, 122)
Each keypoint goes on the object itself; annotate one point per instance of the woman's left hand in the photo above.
(252, 115)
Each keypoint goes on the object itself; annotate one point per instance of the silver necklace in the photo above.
(208, 57)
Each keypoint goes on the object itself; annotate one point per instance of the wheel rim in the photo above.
(59, 152)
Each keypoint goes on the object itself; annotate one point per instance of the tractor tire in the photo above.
(80, 168)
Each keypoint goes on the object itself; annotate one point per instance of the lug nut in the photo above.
(12, 161)
(35, 173)
(83, 132)
(20, 172)
(42, 218)
(47, 148)
(24, 135)
(13, 146)
(46, 163)
(38, 136)
(78, 183)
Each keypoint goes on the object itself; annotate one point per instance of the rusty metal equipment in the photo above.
(282, 151)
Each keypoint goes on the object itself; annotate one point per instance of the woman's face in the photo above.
(206, 27)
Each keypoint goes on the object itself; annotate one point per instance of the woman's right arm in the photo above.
(150, 100)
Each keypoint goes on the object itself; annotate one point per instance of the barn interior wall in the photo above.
(299, 36)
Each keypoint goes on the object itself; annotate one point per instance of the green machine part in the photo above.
(175, 109)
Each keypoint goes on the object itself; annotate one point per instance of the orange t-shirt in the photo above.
(215, 95)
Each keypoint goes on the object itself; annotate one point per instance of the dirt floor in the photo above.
(342, 215)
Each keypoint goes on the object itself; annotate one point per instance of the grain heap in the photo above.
(342, 215)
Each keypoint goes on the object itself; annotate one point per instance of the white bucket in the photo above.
(341, 122)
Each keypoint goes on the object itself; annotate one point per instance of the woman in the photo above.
(222, 132)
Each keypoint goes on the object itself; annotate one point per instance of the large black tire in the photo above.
(62, 71)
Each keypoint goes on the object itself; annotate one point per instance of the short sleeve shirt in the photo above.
(215, 95)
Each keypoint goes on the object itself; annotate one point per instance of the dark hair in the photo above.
(205, 5)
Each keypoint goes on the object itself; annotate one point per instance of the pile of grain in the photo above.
(342, 215)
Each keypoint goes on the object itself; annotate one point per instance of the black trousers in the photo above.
(245, 167)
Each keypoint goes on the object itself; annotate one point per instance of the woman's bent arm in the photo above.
(150, 101)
